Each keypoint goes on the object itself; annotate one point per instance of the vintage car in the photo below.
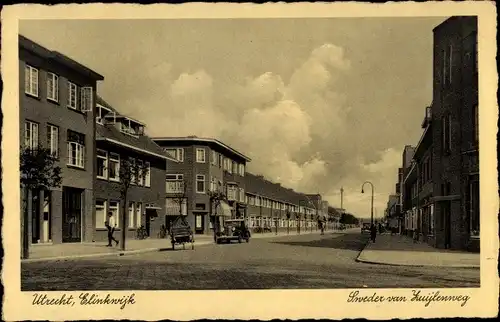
(365, 228)
(233, 229)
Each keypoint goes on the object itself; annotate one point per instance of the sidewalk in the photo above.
(400, 250)
(133, 246)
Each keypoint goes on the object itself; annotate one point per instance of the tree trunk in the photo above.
(124, 221)
(26, 218)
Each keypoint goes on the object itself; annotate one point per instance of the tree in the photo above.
(38, 171)
(216, 197)
(131, 172)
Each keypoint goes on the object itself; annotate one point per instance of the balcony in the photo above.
(175, 186)
(428, 116)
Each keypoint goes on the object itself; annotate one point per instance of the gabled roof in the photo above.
(142, 144)
(45, 53)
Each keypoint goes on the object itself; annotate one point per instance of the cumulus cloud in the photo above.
(294, 130)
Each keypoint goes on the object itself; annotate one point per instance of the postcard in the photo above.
(250, 161)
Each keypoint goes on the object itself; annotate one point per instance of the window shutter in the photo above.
(27, 87)
(87, 99)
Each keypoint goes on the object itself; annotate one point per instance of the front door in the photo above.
(72, 215)
(35, 216)
(47, 217)
(199, 224)
(447, 224)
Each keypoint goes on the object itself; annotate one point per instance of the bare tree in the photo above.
(131, 172)
(38, 171)
(216, 197)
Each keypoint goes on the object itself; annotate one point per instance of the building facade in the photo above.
(119, 137)
(57, 112)
(455, 134)
(203, 165)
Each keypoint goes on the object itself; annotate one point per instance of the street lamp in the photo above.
(362, 191)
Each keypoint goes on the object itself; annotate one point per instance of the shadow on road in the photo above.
(348, 242)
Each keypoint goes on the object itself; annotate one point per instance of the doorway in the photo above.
(35, 216)
(447, 224)
(199, 227)
(72, 215)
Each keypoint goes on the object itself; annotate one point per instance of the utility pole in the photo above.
(342, 198)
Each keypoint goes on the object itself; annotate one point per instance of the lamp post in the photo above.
(362, 191)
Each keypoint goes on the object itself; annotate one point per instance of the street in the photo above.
(288, 262)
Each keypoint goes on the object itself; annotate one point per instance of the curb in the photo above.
(97, 255)
(359, 260)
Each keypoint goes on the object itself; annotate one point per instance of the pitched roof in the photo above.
(142, 143)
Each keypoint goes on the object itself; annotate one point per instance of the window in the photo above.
(177, 153)
(101, 113)
(31, 135)
(198, 222)
(133, 178)
(114, 166)
(175, 183)
(76, 149)
(220, 160)
(141, 175)
(131, 213)
(214, 158)
(450, 63)
(53, 140)
(235, 167)
(174, 206)
(147, 175)
(200, 183)
(213, 184)
(242, 195)
(87, 99)
(200, 155)
(138, 215)
(242, 170)
(100, 213)
(446, 133)
(31, 80)
(476, 123)
(474, 208)
(102, 164)
(72, 96)
(232, 192)
(52, 87)
(431, 220)
(115, 210)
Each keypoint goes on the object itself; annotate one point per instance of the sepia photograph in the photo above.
(251, 153)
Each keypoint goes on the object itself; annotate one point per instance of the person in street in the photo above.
(373, 232)
(111, 226)
(321, 227)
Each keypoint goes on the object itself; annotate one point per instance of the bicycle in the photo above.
(141, 233)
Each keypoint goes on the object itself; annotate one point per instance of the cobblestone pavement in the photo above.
(305, 261)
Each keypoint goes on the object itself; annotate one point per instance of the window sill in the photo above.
(33, 96)
(75, 167)
(114, 180)
(475, 237)
(53, 101)
(102, 178)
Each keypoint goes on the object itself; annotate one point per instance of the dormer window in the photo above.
(102, 113)
(131, 127)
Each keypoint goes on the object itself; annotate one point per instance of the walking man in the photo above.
(373, 232)
(111, 226)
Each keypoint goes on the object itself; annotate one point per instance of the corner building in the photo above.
(57, 111)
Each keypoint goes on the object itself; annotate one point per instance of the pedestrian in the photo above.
(321, 227)
(373, 232)
(111, 226)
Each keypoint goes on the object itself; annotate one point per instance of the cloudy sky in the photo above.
(318, 104)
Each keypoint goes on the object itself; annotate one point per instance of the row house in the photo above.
(455, 135)
(57, 112)
(440, 192)
(118, 137)
(276, 208)
(203, 165)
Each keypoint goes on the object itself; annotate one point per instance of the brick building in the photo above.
(455, 171)
(57, 111)
(118, 137)
(203, 165)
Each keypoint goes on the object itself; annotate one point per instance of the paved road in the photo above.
(306, 261)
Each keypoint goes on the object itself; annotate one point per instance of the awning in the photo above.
(152, 206)
(224, 209)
